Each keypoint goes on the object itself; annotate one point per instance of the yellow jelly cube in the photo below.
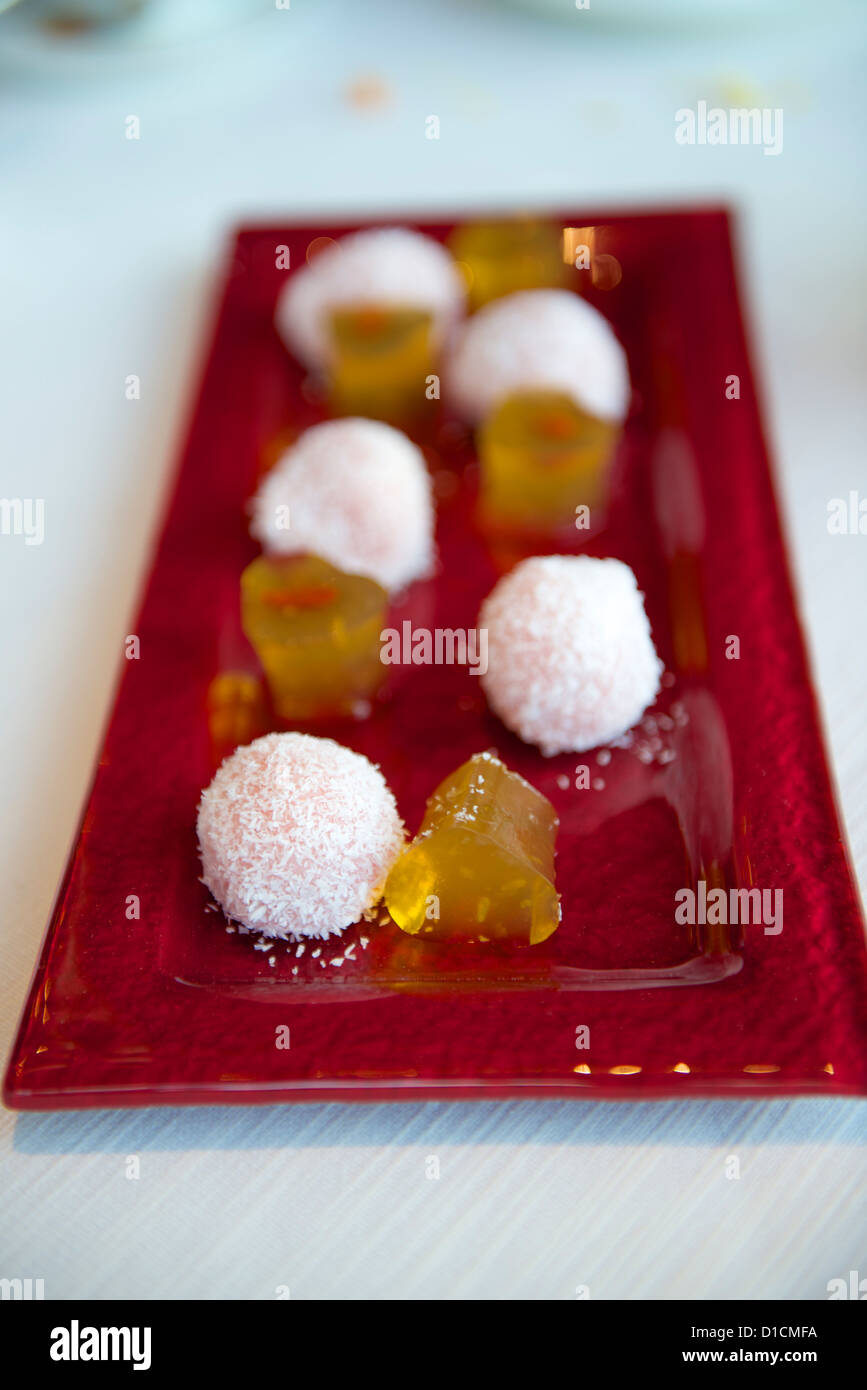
(381, 359)
(482, 866)
(317, 633)
(504, 257)
(541, 458)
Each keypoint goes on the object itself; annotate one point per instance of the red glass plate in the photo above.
(727, 783)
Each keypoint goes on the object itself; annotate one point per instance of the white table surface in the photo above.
(109, 249)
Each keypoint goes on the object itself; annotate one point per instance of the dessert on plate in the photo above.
(544, 380)
(482, 865)
(371, 313)
(346, 519)
(355, 492)
(297, 835)
(571, 660)
(498, 258)
(316, 631)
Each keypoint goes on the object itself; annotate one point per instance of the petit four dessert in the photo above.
(504, 257)
(543, 377)
(355, 492)
(371, 312)
(542, 458)
(571, 660)
(539, 340)
(297, 835)
(317, 632)
(482, 865)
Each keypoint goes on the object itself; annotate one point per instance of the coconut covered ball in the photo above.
(386, 267)
(297, 835)
(355, 492)
(571, 662)
(539, 340)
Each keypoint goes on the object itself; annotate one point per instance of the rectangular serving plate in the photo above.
(142, 996)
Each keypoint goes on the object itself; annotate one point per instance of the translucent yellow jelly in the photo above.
(504, 257)
(541, 458)
(482, 866)
(236, 711)
(317, 633)
(380, 361)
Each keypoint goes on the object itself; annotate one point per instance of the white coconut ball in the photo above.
(538, 340)
(571, 661)
(355, 492)
(389, 267)
(297, 835)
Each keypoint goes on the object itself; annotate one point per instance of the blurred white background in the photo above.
(109, 251)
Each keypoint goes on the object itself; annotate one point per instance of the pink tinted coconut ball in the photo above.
(571, 662)
(355, 492)
(539, 340)
(389, 267)
(297, 835)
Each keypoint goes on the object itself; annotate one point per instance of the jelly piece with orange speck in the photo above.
(317, 634)
(542, 457)
(500, 258)
(381, 357)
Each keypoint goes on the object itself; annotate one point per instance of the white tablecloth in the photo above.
(109, 247)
